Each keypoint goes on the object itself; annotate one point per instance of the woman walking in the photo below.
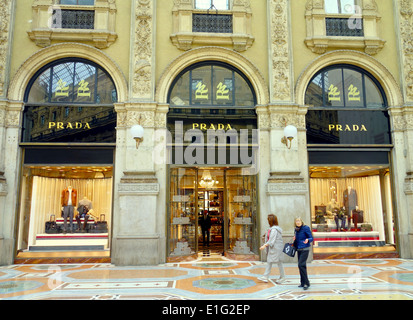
(274, 246)
(302, 241)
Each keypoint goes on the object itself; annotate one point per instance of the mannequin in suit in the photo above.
(350, 202)
(68, 202)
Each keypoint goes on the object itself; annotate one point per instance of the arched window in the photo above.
(211, 84)
(70, 100)
(71, 81)
(345, 86)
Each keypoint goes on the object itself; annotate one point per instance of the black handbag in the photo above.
(289, 250)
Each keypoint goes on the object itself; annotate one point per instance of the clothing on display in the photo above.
(68, 200)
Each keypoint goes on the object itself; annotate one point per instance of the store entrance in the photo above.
(212, 211)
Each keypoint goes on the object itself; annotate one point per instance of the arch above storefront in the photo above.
(212, 54)
(59, 51)
(359, 59)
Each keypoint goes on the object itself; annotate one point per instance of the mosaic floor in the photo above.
(212, 278)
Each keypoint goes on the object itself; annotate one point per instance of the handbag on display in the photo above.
(51, 226)
(289, 249)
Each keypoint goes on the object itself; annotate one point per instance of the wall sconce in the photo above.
(137, 134)
(290, 132)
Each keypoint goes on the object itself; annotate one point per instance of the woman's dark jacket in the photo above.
(301, 234)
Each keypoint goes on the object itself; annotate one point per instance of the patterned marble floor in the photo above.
(212, 278)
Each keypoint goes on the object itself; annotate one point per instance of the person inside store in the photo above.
(68, 202)
(83, 209)
(302, 241)
(274, 247)
(205, 222)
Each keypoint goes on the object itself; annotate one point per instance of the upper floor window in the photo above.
(333, 24)
(87, 21)
(342, 6)
(345, 86)
(211, 84)
(212, 4)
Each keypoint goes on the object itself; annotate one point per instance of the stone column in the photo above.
(9, 133)
(287, 179)
(138, 210)
(402, 126)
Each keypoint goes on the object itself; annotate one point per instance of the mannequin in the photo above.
(68, 201)
(330, 206)
(83, 209)
(350, 202)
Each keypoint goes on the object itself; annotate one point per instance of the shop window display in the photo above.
(352, 199)
(50, 194)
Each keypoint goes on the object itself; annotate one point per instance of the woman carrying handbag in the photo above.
(302, 241)
(274, 245)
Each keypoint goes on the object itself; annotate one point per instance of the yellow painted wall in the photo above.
(388, 56)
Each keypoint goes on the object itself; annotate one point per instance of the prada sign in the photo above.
(352, 127)
(69, 124)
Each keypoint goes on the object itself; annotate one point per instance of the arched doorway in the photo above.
(68, 142)
(213, 198)
(349, 144)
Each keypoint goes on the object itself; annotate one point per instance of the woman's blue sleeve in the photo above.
(309, 234)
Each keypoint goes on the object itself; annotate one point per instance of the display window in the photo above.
(349, 145)
(353, 199)
(49, 221)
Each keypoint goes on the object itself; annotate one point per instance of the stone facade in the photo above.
(279, 45)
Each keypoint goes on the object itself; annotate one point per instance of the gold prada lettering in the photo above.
(212, 126)
(69, 125)
(347, 127)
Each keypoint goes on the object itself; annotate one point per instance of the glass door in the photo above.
(241, 208)
(182, 216)
(213, 209)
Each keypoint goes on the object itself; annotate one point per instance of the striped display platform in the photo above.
(70, 241)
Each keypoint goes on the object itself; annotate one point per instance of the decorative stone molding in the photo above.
(406, 45)
(288, 183)
(408, 183)
(318, 41)
(138, 183)
(5, 20)
(281, 76)
(142, 59)
(147, 115)
(102, 36)
(240, 39)
(278, 116)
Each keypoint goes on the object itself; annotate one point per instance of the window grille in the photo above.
(74, 19)
(219, 23)
(344, 27)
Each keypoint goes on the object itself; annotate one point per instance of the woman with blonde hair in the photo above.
(274, 246)
(302, 241)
